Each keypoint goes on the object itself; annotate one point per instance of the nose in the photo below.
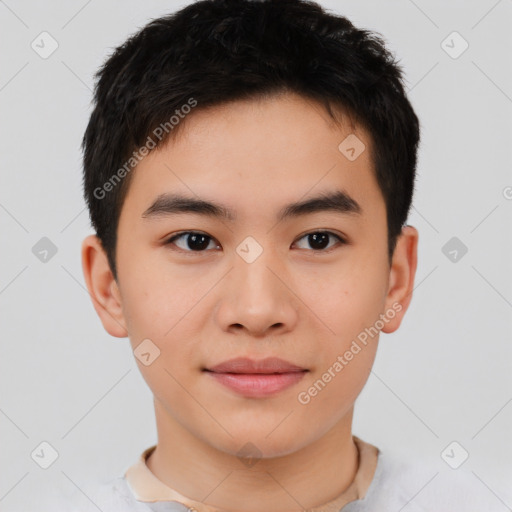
(257, 297)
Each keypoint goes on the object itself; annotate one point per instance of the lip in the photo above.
(247, 365)
(257, 379)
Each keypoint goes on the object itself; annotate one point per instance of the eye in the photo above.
(194, 241)
(319, 240)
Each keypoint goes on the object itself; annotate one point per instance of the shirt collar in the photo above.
(146, 487)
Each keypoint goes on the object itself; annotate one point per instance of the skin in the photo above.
(294, 301)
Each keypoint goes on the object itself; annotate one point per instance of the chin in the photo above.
(261, 445)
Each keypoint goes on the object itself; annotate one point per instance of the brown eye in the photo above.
(193, 241)
(319, 240)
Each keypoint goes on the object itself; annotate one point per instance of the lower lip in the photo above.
(257, 385)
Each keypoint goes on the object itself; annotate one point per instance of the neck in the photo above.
(306, 478)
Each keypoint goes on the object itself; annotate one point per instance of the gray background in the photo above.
(445, 376)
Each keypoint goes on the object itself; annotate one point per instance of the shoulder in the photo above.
(113, 496)
(421, 486)
(116, 495)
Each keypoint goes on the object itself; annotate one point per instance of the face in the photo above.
(310, 284)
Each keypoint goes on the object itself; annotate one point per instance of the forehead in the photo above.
(278, 148)
(280, 128)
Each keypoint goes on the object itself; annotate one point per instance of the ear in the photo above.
(401, 277)
(102, 287)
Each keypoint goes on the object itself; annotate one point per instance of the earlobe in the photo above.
(401, 277)
(102, 287)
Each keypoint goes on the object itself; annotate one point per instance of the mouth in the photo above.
(256, 379)
(246, 365)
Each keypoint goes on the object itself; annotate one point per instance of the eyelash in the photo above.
(171, 240)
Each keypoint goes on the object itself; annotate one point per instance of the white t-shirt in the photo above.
(397, 485)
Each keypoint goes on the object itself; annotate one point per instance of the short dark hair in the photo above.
(216, 51)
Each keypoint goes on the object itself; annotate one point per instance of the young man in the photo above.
(249, 167)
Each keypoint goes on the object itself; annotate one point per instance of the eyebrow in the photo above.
(172, 204)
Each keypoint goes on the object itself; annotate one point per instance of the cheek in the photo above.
(346, 352)
(158, 325)
(349, 303)
(347, 297)
(163, 310)
(158, 303)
